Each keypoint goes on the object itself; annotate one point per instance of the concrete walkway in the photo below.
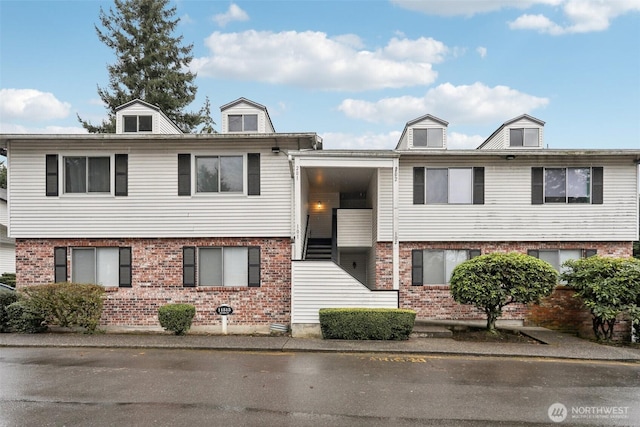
(553, 345)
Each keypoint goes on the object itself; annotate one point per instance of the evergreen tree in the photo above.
(151, 63)
(207, 121)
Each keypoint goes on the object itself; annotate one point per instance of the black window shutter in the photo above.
(474, 253)
(253, 174)
(537, 186)
(534, 253)
(52, 175)
(189, 266)
(254, 267)
(184, 174)
(416, 267)
(60, 262)
(590, 252)
(122, 174)
(125, 267)
(478, 186)
(418, 186)
(597, 186)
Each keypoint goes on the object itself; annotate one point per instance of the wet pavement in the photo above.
(552, 344)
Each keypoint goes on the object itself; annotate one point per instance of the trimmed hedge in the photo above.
(176, 318)
(67, 304)
(366, 323)
(6, 299)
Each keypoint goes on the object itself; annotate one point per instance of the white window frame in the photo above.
(244, 126)
(527, 142)
(568, 198)
(452, 196)
(224, 265)
(137, 117)
(63, 167)
(99, 272)
(431, 141)
(194, 168)
(447, 269)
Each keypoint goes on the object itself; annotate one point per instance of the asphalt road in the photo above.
(129, 387)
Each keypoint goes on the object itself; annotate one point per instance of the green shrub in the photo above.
(68, 304)
(8, 279)
(176, 318)
(366, 323)
(492, 281)
(608, 287)
(6, 299)
(25, 318)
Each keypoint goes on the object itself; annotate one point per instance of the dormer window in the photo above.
(524, 137)
(137, 124)
(429, 138)
(243, 122)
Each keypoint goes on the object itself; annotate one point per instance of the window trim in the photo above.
(124, 267)
(420, 185)
(524, 130)
(187, 175)
(440, 139)
(596, 189)
(191, 275)
(244, 128)
(585, 253)
(417, 264)
(137, 116)
(219, 190)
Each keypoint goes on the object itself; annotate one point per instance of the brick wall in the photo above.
(157, 280)
(436, 302)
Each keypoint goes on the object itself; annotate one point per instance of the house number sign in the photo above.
(224, 310)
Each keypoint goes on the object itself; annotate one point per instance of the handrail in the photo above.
(306, 239)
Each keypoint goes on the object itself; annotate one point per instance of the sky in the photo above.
(354, 71)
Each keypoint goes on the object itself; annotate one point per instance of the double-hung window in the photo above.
(524, 137)
(557, 257)
(87, 174)
(243, 122)
(434, 267)
(138, 124)
(567, 185)
(237, 266)
(430, 138)
(107, 266)
(448, 185)
(219, 174)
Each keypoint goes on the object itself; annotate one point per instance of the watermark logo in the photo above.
(557, 412)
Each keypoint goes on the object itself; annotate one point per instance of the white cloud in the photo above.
(468, 7)
(186, 19)
(476, 103)
(460, 141)
(583, 16)
(371, 141)
(13, 128)
(31, 104)
(313, 60)
(482, 51)
(234, 13)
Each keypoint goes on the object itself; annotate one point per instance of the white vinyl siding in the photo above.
(152, 207)
(508, 215)
(160, 124)
(249, 114)
(322, 284)
(354, 228)
(385, 205)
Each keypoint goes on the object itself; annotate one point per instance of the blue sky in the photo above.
(355, 71)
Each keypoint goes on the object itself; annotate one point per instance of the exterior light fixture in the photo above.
(275, 150)
(510, 157)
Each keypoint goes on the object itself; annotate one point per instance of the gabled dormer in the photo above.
(139, 117)
(522, 132)
(424, 133)
(245, 116)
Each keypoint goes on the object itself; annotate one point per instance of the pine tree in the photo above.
(151, 63)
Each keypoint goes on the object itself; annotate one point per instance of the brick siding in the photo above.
(157, 280)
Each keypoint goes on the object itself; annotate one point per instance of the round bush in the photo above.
(25, 318)
(6, 299)
(176, 318)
